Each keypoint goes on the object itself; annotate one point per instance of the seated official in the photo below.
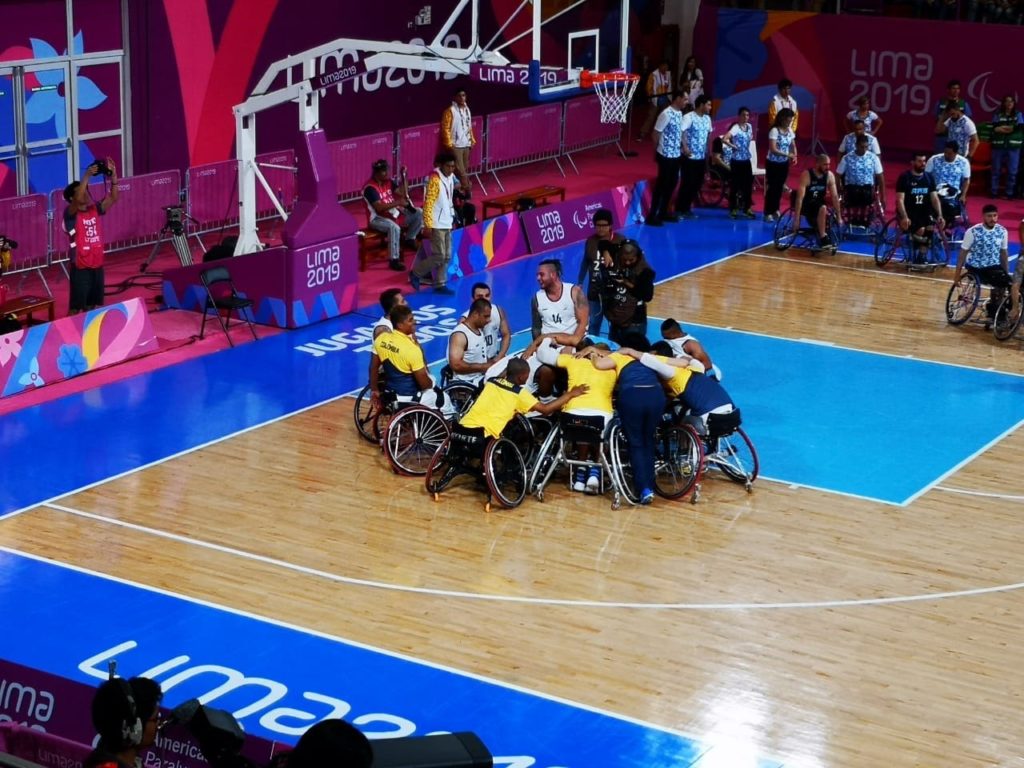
(391, 212)
(467, 344)
(700, 395)
(505, 396)
(398, 363)
(597, 402)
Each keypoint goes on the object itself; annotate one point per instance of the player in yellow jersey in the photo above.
(398, 363)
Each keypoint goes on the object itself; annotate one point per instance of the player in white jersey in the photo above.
(685, 345)
(389, 299)
(497, 331)
(560, 310)
(467, 347)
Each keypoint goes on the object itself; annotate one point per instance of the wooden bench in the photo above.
(540, 195)
(26, 305)
(371, 242)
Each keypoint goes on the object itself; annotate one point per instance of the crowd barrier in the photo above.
(504, 140)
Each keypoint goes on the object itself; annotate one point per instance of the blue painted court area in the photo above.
(881, 427)
(388, 695)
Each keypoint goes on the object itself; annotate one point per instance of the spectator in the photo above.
(784, 100)
(696, 128)
(658, 88)
(457, 135)
(1007, 136)
(391, 212)
(872, 122)
(82, 224)
(691, 81)
(594, 249)
(124, 714)
(438, 220)
(942, 110)
(668, 135)
(960, 128)
(628, 287)
(781, 155)
(741, 174)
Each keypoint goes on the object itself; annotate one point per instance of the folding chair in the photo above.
(221, 296)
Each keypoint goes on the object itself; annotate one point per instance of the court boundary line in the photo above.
(699, 741)
(22, 510)
(525, 600)
(859, 270)
(983, 494)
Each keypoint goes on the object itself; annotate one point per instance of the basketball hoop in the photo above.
(615, 91)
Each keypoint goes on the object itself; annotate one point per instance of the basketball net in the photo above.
(614, 90)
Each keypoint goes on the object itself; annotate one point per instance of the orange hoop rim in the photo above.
(588, 78)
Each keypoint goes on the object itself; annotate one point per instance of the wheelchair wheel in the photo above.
(785, 236)
(939, 250)
(835, 233)
(712, 191)
(618, 459)
(876, 226)
(737, 458)
(678, 461)
(461, 394)
(963, 299)
(441, 470)
(505, 472)
(413, 437)
(364, 414)
(544, 463)
(888, 244)
(1007, 319)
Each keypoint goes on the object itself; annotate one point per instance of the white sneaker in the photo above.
(578, 484)
(593, 482)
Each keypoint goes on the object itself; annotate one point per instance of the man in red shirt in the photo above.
(82, 223)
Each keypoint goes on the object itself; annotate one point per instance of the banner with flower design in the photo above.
(71, 346)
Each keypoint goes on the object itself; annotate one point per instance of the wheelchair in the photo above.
(372, 423)
(678, 458)
(805, 236)
(968, 293)
(414, 434)
(559, 449)
(894, 246)
(496, 464)
(863, 221)
(715, 187)
(728, 449)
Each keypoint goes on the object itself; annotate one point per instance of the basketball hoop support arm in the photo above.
(301, 85)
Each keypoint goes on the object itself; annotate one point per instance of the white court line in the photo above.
(985, 494)
(561, 602)
(356, 644)
(860, 270)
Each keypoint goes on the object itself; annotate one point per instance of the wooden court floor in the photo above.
(818, 629)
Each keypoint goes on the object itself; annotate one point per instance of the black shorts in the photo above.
(995, 275)
(86, 288)
(809, 210)
(859, 195)
(919, 220)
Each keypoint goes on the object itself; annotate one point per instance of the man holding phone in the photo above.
(82, 223)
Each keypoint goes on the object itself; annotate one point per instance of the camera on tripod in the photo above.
(175, 219)
(102, 169)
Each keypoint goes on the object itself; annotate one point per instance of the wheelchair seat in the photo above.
(583, 429)
(723, 424)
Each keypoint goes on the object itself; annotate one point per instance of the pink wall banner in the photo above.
(71, 346)
(835, 60)
(290, 289)
(213, 192)
(45, 719)
(277, 168)
(521, 135)
(553, 226)
(489, 243)
(23, 219)
(352, 158)
(418, 147)
(583, 126)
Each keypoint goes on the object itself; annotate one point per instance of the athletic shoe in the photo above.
(396, 265)
(414, 280)
(769, 218)
(734, 214)
(594, 480)
(646, 496)
(579, 485)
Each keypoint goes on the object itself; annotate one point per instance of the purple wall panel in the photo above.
(476, 155)
(281, 180)
(213, 192)
(520, 134)
(417, 148)
(23, 219)
(583, 124)
(352, 158)
(553, 226)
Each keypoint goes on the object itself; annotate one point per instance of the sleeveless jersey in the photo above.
(492, 332)
(678, 344)
(476, 351)
(815, 193)
(557, 316)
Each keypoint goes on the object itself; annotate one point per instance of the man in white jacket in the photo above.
(438, 219)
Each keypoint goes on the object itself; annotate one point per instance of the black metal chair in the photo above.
(223, 299)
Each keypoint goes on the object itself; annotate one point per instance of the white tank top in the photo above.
(678, 344)
(385, 323)
(557, 316)
(476, 351)
(492, 332)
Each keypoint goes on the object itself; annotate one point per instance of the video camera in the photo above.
(102, 169)
(220, 738)
(175, 215)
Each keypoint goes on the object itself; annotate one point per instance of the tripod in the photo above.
(173, 231)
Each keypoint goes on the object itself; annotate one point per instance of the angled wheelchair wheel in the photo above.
(364, 415)
(544, 463)
(888, 243)
(939, 250)
(414, 435)
(441, 470)
(876, 226)
(618, 459)
(962, 299)
(678, 460)
(1007, 319)
(785, 235)
(505, 472)
(712, 191)
(835, 232)
(737, 458)
(461, 394)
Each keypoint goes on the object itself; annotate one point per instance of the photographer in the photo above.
(124, 714)
(628, 285)
(82, 223)
(590, 268)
